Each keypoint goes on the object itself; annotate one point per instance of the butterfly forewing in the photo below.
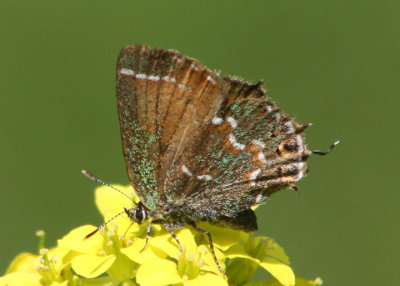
(161, 102)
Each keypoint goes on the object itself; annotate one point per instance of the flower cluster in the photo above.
(115, 255)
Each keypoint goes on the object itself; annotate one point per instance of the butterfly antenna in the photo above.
(103, 225)
(326, 152)
(94, 178)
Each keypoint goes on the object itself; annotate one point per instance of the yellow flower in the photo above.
(258, 251)
(101, 252)
(51, 267)
(116, 255)
(194, 266)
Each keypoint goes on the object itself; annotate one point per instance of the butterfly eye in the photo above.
(139, 214)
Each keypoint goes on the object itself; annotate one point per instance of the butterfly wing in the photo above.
(207, 146)
(164, 101)
(253, 150)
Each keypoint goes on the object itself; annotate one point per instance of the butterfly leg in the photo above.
(169, 227)
(199, 229)
(148, 232)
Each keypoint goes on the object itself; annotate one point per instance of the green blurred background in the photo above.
(332, 63)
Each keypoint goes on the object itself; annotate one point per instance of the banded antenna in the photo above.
(94, 178)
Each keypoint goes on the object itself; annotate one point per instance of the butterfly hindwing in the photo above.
(252, 150)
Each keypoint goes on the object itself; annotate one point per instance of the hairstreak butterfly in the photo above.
(201, 147)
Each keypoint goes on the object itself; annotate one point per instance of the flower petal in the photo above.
(60, 258)
(207, 279)
(223, 238)
(186, 238)
(65, 283)
(166, 243)
(135, 253)
(274, 250)
(210, 264)
(21, 278)
(238, 251)
(279, 270)
(90, 266)
(75, 240)
(24, 262)
(111, 201)
(158, 273)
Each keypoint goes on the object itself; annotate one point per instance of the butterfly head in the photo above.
(138, 213)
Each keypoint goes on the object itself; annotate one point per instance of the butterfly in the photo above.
(201, 147)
